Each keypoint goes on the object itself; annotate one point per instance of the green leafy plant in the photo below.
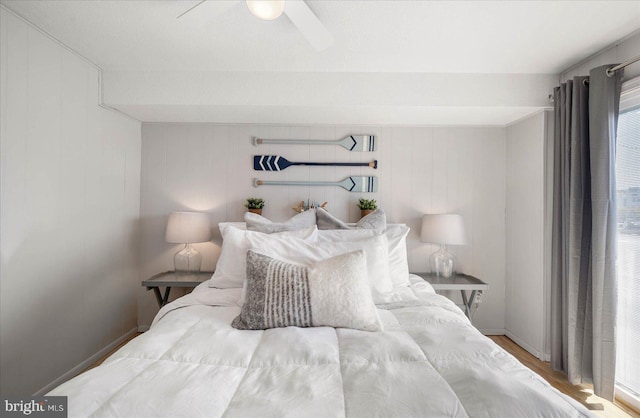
(367, 204)
(254, 203)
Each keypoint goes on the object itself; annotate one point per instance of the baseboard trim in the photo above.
(88, 362)
(524, 345)
(143, 328)
(492, 331)
(627, 399)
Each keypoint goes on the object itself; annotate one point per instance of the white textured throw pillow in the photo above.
(333, 293)
(307, 252)
(231, 268)
(259, 223)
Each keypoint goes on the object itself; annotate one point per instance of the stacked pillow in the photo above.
(306, 253)
(333, 229)
(259, 223)
(306, 241)
(231, 268)
(375, 221)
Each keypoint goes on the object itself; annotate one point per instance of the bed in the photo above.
(426, 361)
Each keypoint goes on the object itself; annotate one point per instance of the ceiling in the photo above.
(453, 37)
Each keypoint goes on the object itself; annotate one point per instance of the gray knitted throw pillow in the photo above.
(333, 293)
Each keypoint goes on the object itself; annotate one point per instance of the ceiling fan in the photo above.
(296, 10)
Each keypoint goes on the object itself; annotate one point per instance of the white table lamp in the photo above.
(443, 229)
(188, 228)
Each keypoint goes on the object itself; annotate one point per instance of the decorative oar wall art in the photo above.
(278, 163)
(359, 184)
(360, 143)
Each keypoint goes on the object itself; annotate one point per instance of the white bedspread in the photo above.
(428, 362)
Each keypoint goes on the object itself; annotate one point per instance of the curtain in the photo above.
(583, 280)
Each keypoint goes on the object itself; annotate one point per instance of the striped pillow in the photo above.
(334, 292)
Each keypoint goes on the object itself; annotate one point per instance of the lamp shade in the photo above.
(443, 229)
(188, 227)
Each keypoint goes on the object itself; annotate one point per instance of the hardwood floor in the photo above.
(103, 358)
(581, 393)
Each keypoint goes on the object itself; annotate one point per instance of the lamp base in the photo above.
(187, 260)
(442, 262)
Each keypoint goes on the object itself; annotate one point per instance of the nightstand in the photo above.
(170, 279)
(461, 282)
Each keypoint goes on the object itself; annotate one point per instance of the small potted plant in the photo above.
(255, 205)
(367, 206)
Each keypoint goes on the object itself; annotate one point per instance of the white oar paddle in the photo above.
(278, 163)
(361, 143)
(361, 184)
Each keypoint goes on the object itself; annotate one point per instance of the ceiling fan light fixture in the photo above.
(266, 9)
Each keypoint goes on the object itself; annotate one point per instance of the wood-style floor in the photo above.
(106, 356)
(581, 393)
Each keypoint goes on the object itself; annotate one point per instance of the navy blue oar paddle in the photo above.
(361, 184)
(361, 143)
(278, 163)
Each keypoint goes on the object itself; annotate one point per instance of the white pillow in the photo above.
(231, 268)
(306, 253)
(397, 238)
(222, 226)
(398, 263)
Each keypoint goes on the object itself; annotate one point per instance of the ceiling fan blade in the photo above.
(207, 10)
(190, 9)
(307, 23)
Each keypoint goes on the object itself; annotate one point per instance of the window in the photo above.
(628, 267)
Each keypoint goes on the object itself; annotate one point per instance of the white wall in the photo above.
(68, 212)
(525, 276)
(208, 167)
(620, 52)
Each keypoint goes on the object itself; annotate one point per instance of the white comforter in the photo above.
(428, 362)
